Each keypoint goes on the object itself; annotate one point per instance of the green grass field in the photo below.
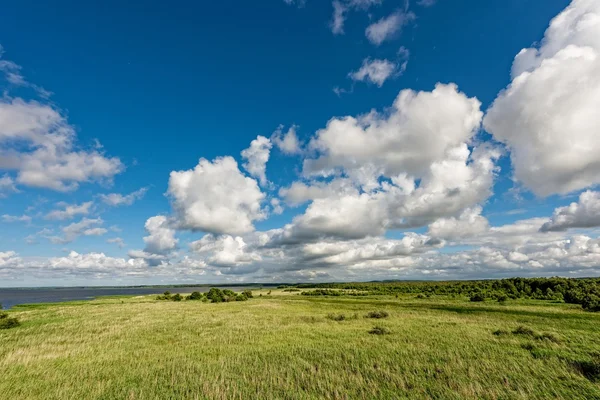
(284, 346)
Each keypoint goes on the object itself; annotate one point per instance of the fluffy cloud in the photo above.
(469, 224)
(420, 128)
(38, 143)
(257, 156)
(70, 211)
(161, 237)
(583, 214)
(287, 142)
(402, 169)
(374, 71)
(387, 27)
(226, 252)
(345, 209)
(117, 199)
(215, 197)
(548, 116)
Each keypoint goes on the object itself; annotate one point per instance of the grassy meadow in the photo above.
(284, 345)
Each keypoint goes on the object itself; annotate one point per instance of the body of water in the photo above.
(10, 297)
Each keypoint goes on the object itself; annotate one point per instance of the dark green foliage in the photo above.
(177, 297)
(588, 368)
(379, 330)
(336, 317)
(500, 332)
(215, 295)
(7, 322)
(477, 297)
(591, 302)
(377, 314)
(585, 291)
(241, 297)
(548, 336)
(502, 298)
(165, 296)
(523, 330)
(291, 290)
(195, 296)
(331, 292)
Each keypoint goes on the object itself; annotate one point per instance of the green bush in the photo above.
(588, 368)
(241, 297)
(502, 298)
(477, 297)
(379, 330)
(215, 295)
(177, 297)
(336, 317)
(195, 296)
(165, 296)
(377, 314)
(523, 330)
(548, 336)
(7, 322)
(249, 295)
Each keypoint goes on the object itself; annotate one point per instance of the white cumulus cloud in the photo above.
(215, 197)
(548, 116)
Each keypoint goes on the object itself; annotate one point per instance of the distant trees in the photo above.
(214, 295)
(583, 291)
(7, 322)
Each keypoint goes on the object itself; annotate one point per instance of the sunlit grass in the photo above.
(284, 346)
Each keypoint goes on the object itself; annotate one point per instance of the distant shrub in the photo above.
(323, 292)
(523, 330)
(336, 317)
(7, 322)
(528, 347)
(379, 330)
(420, 296)
(177, 297)
(309, 319)
(165, 296)
(195, 296)
(248, 294)
(500, 332)
(215, 295)
(241, 297)
(377, 314)
(477, 297)
(591, 302)
(502, 298)
(588, 368)
(548, 336)
(291, 290)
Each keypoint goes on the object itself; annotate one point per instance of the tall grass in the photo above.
(283, 347)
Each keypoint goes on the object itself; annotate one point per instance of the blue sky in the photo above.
(147, 90)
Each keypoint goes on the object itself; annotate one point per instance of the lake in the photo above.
(10, 297)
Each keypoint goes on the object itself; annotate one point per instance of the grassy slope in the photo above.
(283, 347)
